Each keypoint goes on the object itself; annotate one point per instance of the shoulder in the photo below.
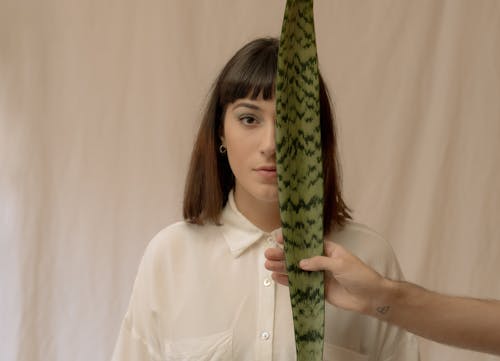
(179, 230)
(369, 246)
(360, 237)
(182, 238)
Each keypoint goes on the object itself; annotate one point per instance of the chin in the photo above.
(260, 192)
(267, 195)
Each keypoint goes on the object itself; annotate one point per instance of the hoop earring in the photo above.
(222, 149)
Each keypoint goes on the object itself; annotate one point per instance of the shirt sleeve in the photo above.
(130, 346)
(385, 341)
(138, 336)
(400, 344)
(407, 349)
(404, 344)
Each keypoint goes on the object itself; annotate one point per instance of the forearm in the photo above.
(456, 321)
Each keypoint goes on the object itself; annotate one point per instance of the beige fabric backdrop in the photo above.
(99, 103)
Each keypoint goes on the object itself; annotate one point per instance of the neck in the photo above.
(263, 214)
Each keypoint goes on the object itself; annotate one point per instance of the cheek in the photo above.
(237, 156)
(239, 151)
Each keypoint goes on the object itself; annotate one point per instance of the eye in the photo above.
(248, 119)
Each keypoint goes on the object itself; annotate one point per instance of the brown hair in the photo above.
(249, 73)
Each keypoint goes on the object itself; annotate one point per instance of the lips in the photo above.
(267, 171)
(270, 168)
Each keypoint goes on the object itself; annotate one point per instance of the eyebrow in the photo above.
(247, 105)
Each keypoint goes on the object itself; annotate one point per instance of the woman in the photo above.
(202, 291)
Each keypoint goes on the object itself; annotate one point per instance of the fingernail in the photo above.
(303, 263)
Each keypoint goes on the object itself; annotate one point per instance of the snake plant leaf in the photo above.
(300, 173)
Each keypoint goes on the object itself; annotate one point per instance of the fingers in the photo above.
(279, 238)
(275, 266)
(274, 254)
(280, 278)
(275, 260)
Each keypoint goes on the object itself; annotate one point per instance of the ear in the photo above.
(221, 132)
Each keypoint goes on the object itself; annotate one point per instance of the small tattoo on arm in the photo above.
(383, 309)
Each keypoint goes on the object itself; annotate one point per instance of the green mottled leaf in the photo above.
(300, 173)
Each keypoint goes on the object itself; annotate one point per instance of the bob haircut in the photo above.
(249, 73)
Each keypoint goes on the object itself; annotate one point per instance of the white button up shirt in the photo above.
(202, 293)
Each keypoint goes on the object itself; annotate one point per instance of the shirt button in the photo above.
(270, 240)
(265, 336)
(267, 282)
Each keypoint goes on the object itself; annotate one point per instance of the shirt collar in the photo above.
(237, 230)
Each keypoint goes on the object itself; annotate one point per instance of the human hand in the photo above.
(349, 283)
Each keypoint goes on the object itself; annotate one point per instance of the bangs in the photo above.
(251, 75)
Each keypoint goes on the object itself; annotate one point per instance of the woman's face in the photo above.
(249, 139)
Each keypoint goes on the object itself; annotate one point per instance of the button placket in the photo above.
(265, 316)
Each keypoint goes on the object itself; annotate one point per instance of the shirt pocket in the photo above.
(215, 347)
(337, 353)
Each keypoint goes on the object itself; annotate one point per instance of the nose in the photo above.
(268, 142)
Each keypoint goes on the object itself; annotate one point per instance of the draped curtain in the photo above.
(100, 102)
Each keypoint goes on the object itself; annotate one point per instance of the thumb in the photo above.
(332, 261)
(317, 263)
